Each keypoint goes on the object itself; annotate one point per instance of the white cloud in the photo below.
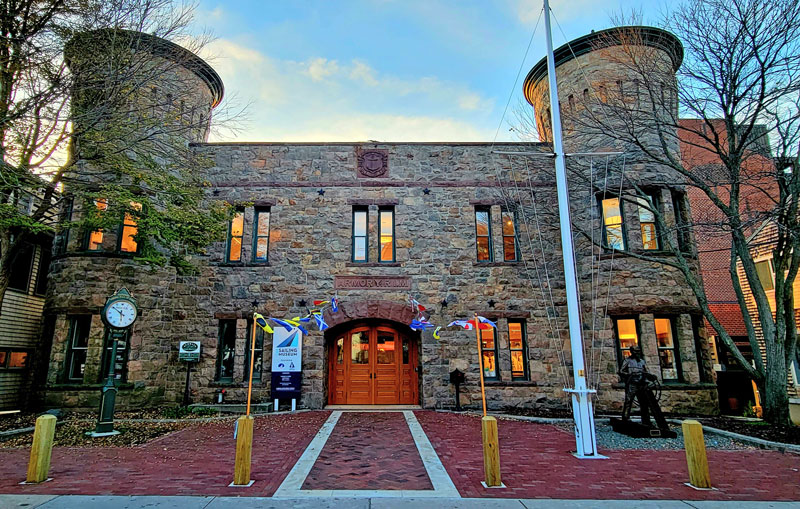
(528, 10)
(327, 100)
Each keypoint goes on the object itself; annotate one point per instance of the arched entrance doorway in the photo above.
(372, 363)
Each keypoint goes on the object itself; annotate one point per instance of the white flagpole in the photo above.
(581, 403)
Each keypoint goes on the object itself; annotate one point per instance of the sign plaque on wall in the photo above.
(372, 282)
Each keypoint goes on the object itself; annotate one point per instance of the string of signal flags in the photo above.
(419, 323)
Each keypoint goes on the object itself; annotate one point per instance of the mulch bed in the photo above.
(72, 433)
(757, 429)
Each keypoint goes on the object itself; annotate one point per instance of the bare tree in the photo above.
(98, 106)
(739, 86)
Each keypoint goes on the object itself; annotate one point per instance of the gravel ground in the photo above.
(609, 439)
(72, 433)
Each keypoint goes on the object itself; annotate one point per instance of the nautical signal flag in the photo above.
(262, 322)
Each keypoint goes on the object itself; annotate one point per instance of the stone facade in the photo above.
(310, 190)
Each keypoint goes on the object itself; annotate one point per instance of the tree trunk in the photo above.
(776, 398)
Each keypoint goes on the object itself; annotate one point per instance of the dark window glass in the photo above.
(509, 237)
(647, 223)
(41, 274)
(233, 253)
(681, 220)
(121, 359)
(77, 345)
(386, 234)
(258, 359)
(627, 337)
(226, 351)
(517, 344)
(483, 234)
(19, 277)
(360, 247)
(489, 353)
(62, 239)
(261, 235)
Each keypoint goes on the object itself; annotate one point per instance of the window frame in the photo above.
(257, 211)
(25, 246)
(652, 197)
(45, 254)
(259, 332)
(513, 215)
(496, 355)
(618, 344)
(121, 233)
(5, 363)
(525, 364)
(381, 210)
(88, 236)
(488, 211)
(218, 372)
(623, 223)
(680, 211)
(63, 237)
(71, 348)
(230, 237)
(353, 236)
(676, 352)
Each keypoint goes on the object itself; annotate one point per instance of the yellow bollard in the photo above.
(491, 452)
(42, 448)
(696, 459)
(244, 450)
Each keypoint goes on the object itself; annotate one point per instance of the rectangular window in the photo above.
(127, 240)
(77, 345)
(489, 354)
(360, 221)
(614, 232)
(386, 233)
(627, 337)
(121, 359)
(233, 253)
(668, 353)
(226, 350)
(62, 238)
(483, 234)
(681, 220)
(94, 241)
(258, 358)
(517, 343)
(766, 274)
(41, 274)
(14, 359)
(509, 236)
(261, 235)
(19, 277)
(647, 222)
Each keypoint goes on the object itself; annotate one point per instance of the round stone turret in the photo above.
(604, 70)
(143, 82)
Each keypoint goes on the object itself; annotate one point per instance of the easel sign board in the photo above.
(287, 363)
(189, 351)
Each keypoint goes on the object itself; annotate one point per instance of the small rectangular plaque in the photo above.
(372, 283)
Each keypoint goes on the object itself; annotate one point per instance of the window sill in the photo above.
(511, 383)
(373, 264)
(243, 264)
(608, 254)
(94, 254)
(237, 385)
(496, 264)
(674, 386)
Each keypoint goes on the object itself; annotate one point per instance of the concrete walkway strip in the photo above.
(294, 480)
(436, 472)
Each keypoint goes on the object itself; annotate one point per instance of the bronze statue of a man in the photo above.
(637, 385)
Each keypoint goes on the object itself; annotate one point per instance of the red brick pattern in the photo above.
(535, 462)
(194, 461)
(369, 451)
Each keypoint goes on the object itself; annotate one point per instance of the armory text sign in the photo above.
(372, 282)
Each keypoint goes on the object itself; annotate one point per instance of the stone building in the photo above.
(461, 227)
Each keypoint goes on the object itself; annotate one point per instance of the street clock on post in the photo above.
(120, 310)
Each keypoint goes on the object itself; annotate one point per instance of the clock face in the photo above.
(120, 314)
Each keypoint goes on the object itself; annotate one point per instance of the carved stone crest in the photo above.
(372, 162)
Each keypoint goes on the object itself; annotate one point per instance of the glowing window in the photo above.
(612, 223)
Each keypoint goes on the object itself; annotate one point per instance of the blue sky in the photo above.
(384, 70)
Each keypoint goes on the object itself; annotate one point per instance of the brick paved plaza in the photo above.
(372, 451)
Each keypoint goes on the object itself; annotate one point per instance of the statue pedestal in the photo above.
(639, 430)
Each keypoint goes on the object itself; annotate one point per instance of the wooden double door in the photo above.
(372, 364)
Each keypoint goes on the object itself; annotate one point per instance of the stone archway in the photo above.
(370, 310)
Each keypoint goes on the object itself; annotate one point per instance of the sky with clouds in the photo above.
(386, 70)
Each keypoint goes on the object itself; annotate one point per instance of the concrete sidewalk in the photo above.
(177, 502)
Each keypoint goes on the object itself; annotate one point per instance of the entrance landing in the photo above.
(368, 454)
